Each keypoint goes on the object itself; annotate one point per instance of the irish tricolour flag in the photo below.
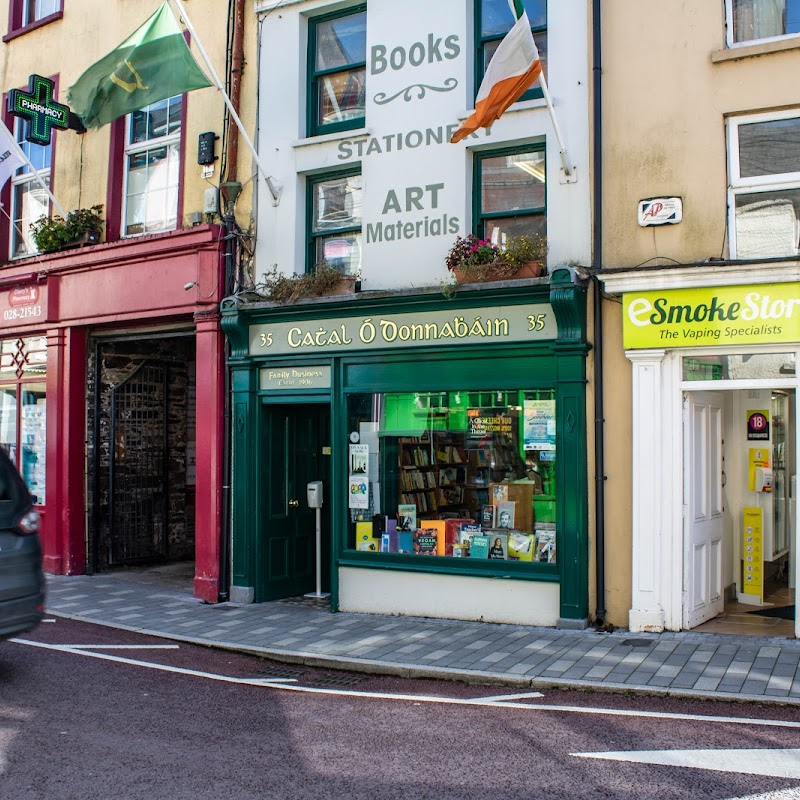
(513, 69)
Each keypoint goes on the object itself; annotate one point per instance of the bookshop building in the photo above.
(449, 436)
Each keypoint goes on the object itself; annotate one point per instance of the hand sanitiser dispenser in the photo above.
(314, 494)
(763, 479)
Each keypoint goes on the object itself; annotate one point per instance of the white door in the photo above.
(703, 594)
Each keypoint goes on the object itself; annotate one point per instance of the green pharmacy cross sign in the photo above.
(39, 110)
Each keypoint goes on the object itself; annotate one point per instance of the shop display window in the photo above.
(453, 474)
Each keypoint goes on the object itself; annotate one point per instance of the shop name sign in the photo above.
(288, 379)
(500, 324)
(714, 315)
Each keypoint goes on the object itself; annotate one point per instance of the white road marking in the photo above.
(500, 697)
(777, 763)
(284, 683)
(114, 646)
(781, 794)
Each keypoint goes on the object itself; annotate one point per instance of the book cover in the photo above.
(405, 541)
(460, 550)
(452, 528)
(521, 546)
(505, 514)
(498, 546)
(499, 492)
(391, 525)
(438, 525)
(487, 516)
(479, 546)
(389, 542)
(372, 545)
(546, 547)
(407, 517)
(425, 542)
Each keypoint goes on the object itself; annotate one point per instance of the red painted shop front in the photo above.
(54, 308)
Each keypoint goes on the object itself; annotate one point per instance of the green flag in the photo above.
(153, 63)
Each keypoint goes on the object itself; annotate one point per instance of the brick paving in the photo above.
(707, 665)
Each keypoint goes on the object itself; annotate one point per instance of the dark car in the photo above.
(21, 577)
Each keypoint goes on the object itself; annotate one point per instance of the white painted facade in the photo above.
(429, 102)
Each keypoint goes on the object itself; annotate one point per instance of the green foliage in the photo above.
(287, 288)
(54, 233)
(478, 259)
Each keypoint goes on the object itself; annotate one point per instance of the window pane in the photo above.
(760, 19)
(39, 9)
(337, 203)
(739, 367)
(767, 224)
(33, 430)
(39, 155)
(8, 420)
(467, 474)
(156, 120)
(496, 230)
(512, 182)
(341, 41)
(769, 148)
(541, 45)
(497, 19)
(174, 115)
(341, 96)
(30, 202)
(341, 251)
(152, 190)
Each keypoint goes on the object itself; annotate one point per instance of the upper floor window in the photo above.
(510, 193)
(337, 55)
(29, 200)
(493, 20)
(25, 13)
(749, 20)
(152, 167)
(334, 223)
(764, 192)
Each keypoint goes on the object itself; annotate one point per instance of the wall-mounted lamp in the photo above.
(275, 189)
(189, 285)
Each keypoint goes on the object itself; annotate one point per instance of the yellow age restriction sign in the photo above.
(768, 313)
(752, 552)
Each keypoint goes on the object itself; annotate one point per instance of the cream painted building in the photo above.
(701, 201)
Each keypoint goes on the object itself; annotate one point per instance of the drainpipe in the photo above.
(232, 188)
(597, 298)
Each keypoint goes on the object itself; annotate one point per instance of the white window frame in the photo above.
(29, 15)
(729, 31)
(23, 176)
(760, 183)
(167, 141)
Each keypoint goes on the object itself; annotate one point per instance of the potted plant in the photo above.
(324, 280)
(82, 226)
(475, 260)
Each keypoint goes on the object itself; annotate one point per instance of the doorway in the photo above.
(296, 450)
(739, 511)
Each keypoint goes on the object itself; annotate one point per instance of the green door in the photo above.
(293, 456)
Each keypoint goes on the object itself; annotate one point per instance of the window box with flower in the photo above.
(82, 226)
(474, 260)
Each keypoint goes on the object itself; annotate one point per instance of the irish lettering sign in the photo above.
(39, 110)
(500, 324)
(290, 379)
(713, 315)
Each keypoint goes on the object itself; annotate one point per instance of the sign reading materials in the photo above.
(712, 315)
(294, 378)
(500, 324)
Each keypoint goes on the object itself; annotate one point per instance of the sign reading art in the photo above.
(714, 315)
(500, 324)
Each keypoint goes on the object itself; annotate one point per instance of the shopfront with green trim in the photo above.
(449, 435)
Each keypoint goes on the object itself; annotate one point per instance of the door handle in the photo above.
(294, 503)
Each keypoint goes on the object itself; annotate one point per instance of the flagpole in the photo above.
(196, 40)
(20, 153)
(562, 149)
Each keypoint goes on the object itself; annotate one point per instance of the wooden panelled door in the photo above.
(703, 591)
(294, 439)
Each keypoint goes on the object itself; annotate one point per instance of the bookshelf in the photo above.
(432, 474)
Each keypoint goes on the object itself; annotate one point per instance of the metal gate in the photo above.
(137, 504)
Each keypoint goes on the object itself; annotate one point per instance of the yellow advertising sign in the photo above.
(752, 552)
(754, 314)
(758, 458)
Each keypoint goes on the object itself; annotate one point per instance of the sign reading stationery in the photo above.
(712, 315)
(521, 323)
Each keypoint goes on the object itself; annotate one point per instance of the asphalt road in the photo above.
(91, 712)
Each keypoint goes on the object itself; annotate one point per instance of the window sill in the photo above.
(324, 138)
(40, 23)
(525, 105)
(751, 50)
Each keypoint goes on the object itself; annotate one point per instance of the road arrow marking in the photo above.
(775, 763)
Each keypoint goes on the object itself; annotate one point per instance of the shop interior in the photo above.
(759, 468)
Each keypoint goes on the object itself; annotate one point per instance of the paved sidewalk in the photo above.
(688, 664)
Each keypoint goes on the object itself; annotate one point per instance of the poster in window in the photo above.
(358, 492)
(539, 431)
